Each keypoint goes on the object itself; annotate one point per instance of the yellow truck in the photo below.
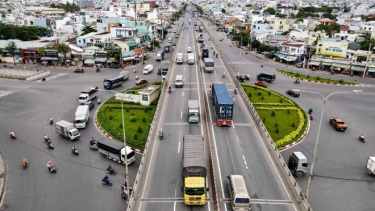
(194, 170)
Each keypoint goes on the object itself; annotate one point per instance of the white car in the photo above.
(174, 31)
(189, 49)
(148, 69)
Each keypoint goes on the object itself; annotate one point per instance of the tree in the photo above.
(42, 51)
(365, 45)
(255, 44)
(113, 50)
(88, 29)
(63, 48)
(11, 47)
(270, 11)
(328, 29)
(53, 5)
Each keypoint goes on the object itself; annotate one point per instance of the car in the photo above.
(174, 44)
(299, 65)
(261, 83)
(174, 31)
(176, 35)
(202, 46)
(293, 92)
(189, 49)
(241, 78)
(91, 104)
(337, 123)
(169, 41)
(141, 81)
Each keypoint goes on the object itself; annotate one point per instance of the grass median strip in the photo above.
(315, 79)
(284, 120)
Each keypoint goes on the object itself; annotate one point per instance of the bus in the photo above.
(239, 197)
(205, 52)
(208, 64)
(114, 82)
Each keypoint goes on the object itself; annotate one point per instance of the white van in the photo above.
(148, 68)
(189, 49)
(239, 197)
(179, 82)
(170, 40)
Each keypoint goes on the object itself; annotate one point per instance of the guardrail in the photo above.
(149, 142)
(289, 178)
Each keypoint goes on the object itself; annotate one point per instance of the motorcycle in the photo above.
(160, 136)
(217, 55)
(24, 165)
(311, 116)
(111, 172)
(361, 138)
(124, 194)
(97, 70)
(223, 75)
(50, 146)
(13, 136)
(50, 121)
(75, 152)
(93, 144)
(235, 91)
(107, 182)
(52, 168)
(296, 81)
(169, 90)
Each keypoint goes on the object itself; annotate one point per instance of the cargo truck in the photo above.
(208, 65)
(159, 55)
(266, 77)
(81, 116)
(67, 130)
(191, 58)
(298, 164)
(194, 170)
(115, 151)
(179, 58)
(88, 94)
(193, 110)
(200, 28)
(223, 104)
(370, 166)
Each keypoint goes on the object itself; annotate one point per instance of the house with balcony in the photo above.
(344, 34)
(93, 39)
(291, 51)
(123, 32)
(279, 25)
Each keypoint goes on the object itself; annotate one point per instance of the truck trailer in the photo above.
(179, 58)
(81, 116)
(194, 170)
(115, 151)
(88, 94)
(266, 77)
(67, 130)
(193, 110)
(191, 58)
(223, 104)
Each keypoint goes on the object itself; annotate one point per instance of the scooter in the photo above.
(361, 138)
(97, 70)
(311, 116)
(75, 152)
(235, 91)
(124, 194)
(223, 76)
(112, 172)
(169, 90)
(24, 165)
(50, 146)
(13, 136)
(51, 122)
(52, 168)
(160, 136)
(296, 82)
(107, 182)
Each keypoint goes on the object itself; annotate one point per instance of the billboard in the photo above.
(336, 48)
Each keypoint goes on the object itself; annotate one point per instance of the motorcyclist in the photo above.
(12, 134)
(235, 90)
(261, 64)
(136, 77)
(92, 141)
(362, 137)
(50, 164)
(224, 75)
(74, 148)
(99, 101)
(170, 89)
(49, 142)
(110, 169)
(50, 120)
(105, 179)
(24, 161)
(161, 132)
(45, 137)
(310, 110)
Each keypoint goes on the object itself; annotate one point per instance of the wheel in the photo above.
(299, 174)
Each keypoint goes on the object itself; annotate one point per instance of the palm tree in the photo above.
(62, 48)
(11, 48)
(42, 51)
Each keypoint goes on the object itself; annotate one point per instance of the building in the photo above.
(279, 25)
(332, 47)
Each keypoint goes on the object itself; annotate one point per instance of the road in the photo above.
(25, 107)
(340, 181)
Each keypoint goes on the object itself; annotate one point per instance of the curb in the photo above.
(2, 178)
(317, 82)
(297, 141)
(108, 136)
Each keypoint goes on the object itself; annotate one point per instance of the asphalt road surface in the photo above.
(25, 107)
(340, 180)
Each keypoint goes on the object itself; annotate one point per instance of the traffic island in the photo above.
(284, 120)
(316, 79)
(137, 119)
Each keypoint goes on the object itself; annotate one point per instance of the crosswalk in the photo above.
(166, 62)
(52, 77)
(8, 92)
(244, 63)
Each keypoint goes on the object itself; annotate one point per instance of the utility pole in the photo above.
(367, 60)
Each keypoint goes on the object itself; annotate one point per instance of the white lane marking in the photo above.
(181, 114)
(244, 160)
(182, 94)
(238, 140)
(175, 195)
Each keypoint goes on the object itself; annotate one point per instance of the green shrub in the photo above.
(269, 93)
(120, 125)
(139, 129)
(293, 124)
(273, 113)
(110, 117)
(341, 81)
(262, 98)
(132, 114)
(288, 111)
(264, 120)
(250, 95)
(318, 78)
(133, 118)
(307, 76)
(277, 130)
(110, 109)
(259, 93)
(144, 119)
(281, 100)
(276, 124)
(298, 75)
(135, 136)
(127, 110)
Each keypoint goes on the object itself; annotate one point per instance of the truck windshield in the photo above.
(75, 132)
(193, 114)
(82, 98)
(80, 121)
(209, 64)
(130, 155)
(194, 191)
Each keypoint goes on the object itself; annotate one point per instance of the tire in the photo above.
(299, 173)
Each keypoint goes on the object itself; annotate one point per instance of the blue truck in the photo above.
(223, 104)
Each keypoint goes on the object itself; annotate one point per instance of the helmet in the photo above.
(49, 162)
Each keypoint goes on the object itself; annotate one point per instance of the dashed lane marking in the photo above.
(8, 92)
(52, 77)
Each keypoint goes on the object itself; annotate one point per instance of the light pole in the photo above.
(317, 136)
(123, 130)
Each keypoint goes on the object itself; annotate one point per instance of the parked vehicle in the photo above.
(114, 82)
(261, 83)
(67, 130)
(179, 58)
(297, 164)
(337, 123)
(88, 94)
(148, 69)
(194, 170)
(115, 151)
(114, 65)
(223, 104)
(193, 111)
(266, 77)
(81, 116)
(191, 58)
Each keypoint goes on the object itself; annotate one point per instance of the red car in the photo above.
(261, 83)
(141, 81)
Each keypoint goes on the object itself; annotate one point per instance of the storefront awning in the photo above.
(280, 55)
(290, 58)
(357, 68)
(128, 59)
(327, 63)
(100, 60)
(49, 58)
(89, 61)
(61, 55)
(371, 69)
(340, 65)
(314, 63)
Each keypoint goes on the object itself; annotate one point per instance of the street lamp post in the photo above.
(317, 136)
(123, 130)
